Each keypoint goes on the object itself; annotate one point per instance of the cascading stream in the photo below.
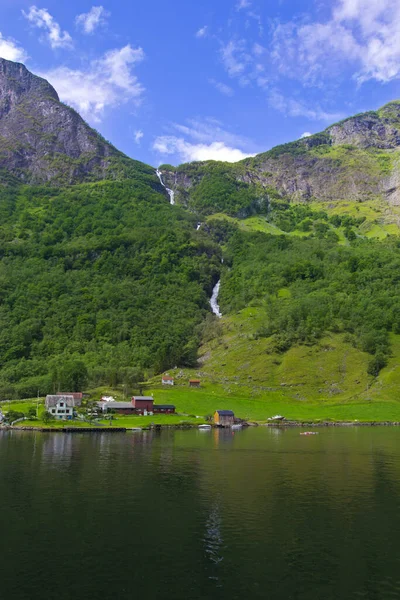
(214, 300)
(171, 193)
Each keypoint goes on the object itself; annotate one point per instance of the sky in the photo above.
(172, 81)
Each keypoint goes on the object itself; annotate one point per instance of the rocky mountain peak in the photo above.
(41, 139)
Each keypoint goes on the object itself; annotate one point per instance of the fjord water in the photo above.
(258, 513)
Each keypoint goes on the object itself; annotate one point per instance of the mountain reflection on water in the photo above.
(195, 515)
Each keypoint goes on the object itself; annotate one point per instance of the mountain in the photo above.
(356, 159)
(103, 282)
(42, 140)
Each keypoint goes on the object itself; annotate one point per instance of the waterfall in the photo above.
(171, 193)
(198, 226)
(214, 300)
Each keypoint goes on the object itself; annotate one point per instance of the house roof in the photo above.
(225, 413)
(163, 406)
(143, 398)
(167, 377)
(194, 380)
(53, 400)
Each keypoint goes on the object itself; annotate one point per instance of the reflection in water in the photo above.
(263, 513)
(213, 537)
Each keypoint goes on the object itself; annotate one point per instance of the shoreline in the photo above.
(158, 427)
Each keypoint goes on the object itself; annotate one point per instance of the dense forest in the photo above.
(99, 283)
(312, 285)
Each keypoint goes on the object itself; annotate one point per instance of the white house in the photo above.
(60, 407)
(167, 380)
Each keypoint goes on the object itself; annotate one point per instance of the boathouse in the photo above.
(224, 418)
(194, 383)
(167, 380)
(61, 406)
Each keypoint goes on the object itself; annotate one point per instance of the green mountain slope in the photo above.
(103, 282)
(104, 278)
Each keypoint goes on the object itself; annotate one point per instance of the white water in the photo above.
(171, 193)
(214, 300)
(198, 226)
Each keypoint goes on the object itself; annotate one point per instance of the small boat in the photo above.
(204, 427)
(276, 418)
(309, 432)
(237, 426)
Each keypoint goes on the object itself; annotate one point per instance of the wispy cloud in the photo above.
(138, 135)
(202, 32)
(41, 18)
(106, 82)
(202, 140)
(306, 134)
(243, 4)
(360, 35)
(226, 90)
(235, 57)
(90, 21)
(294, 108)
(11, 50)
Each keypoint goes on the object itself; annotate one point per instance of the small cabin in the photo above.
(167, 380)
(194, 383)
(224, 418)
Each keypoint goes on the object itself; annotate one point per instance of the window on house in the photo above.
(53, 410)
(61, 412)
(61, 404)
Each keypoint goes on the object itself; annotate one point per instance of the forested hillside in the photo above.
(102, 282)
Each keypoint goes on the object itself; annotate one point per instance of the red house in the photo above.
(194, 382)
(142, 404)
(165, 409)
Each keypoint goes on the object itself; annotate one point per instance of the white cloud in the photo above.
(202, 32)
(138, 135)
(41, 18)
(235, 58)
(202, 140)
(294, 108)
(222, 87)
(189, 152)
(88, 22)
(360, 35)
(243, 4)
(107, 82)
(306, 134)
(10, 50)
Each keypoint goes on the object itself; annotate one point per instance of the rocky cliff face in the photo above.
(356, 159)
(41, 139)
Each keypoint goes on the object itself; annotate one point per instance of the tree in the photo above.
(73, 376)
(350, 234)
(47, 417)
(378, 362)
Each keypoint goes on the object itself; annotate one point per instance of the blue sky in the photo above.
(179, 80)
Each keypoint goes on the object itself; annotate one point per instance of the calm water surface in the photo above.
(261, 513)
